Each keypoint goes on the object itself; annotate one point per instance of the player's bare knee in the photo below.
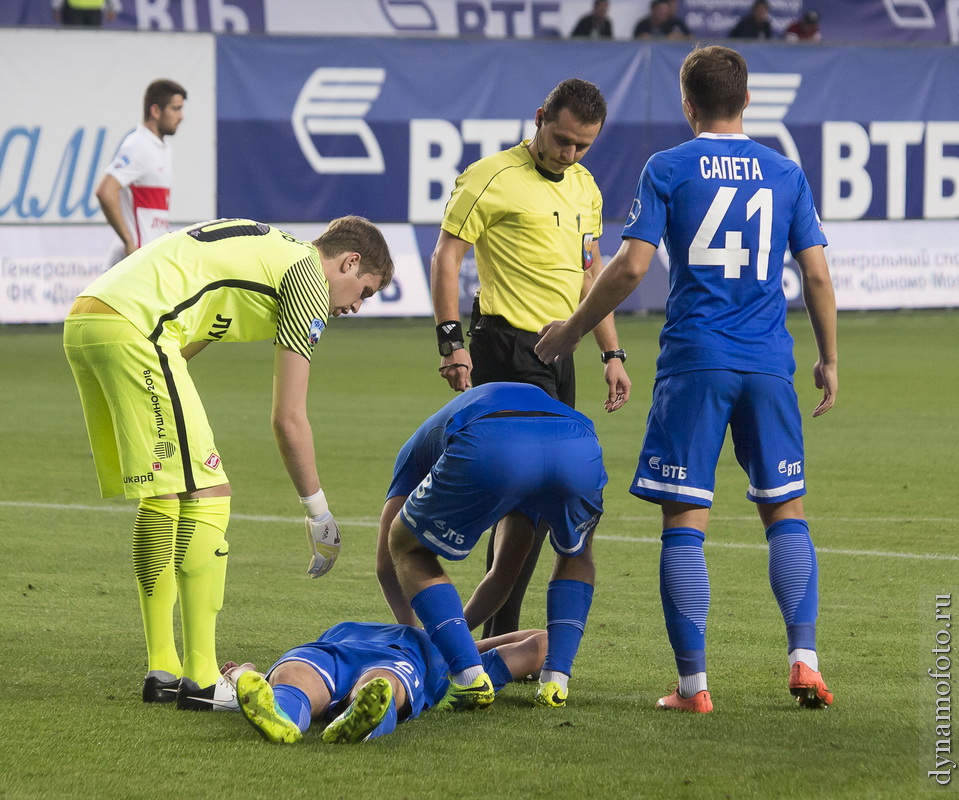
(401, 541)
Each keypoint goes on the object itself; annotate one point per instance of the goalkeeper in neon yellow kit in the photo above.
(128, 339)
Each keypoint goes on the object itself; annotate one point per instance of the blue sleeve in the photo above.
(648, 214)
(417, 457)
(806, 229)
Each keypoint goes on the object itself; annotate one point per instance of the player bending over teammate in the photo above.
(364, 678)
(497, 450)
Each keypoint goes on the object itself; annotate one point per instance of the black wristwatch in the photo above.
(447, 348)
(620, 354)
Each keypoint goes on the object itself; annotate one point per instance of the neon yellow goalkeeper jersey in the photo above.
(532, 234)
(229, 280)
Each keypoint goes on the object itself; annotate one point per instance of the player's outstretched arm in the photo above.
(617, 380)
(291, 427)
(523, 652)
(616, 282)
(294, 438)
(820, 300)
(192, 349)
(386, 570)
(445, 289)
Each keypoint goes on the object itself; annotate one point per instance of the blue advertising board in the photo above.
(309, 129)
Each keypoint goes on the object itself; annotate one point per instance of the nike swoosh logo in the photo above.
(223, 703)
(218, 553)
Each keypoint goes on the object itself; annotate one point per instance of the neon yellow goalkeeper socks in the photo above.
(201, 556)
(153, 535)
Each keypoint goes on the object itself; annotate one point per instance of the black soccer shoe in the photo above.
(157, 690)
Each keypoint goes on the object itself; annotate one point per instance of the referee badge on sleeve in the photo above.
(587, 251)
(316, 328)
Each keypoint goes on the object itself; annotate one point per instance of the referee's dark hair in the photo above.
(584, 100)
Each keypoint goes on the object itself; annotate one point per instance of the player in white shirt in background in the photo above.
(134, 193)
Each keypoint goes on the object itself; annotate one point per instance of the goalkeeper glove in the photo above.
(322, 533)
(324, 537)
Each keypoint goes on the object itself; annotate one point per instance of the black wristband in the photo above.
(449, 336)
(620, 354)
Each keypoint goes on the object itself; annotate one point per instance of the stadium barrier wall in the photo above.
(301, 129)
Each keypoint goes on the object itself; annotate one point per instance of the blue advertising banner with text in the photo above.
(309, 129)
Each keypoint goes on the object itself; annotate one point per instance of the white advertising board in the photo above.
(902, 264)
(874, 265)
(68, 99)
(43, 268)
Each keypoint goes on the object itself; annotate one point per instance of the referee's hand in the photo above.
(457, 368)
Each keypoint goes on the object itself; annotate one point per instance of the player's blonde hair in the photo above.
(715, 80)
(354, 234)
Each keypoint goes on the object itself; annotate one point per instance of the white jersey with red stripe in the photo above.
(143, 167)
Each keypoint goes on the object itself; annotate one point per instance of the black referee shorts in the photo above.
(501, 352)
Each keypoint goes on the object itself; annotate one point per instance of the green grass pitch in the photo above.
(882, 475)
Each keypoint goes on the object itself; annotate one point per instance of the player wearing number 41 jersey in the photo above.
(128, 338)
(728, 209)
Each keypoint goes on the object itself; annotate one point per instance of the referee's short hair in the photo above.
(584, 100)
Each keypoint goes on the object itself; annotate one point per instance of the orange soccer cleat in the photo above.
(699, 703)
(808, 688)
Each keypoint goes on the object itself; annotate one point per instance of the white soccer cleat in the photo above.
(219, 696)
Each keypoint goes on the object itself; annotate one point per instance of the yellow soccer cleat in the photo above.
(364, 714)
(550, 695)
(479, 694)
(260, 709)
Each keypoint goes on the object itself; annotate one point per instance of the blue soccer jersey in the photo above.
(733, 207)
(426, 445)
(462, 470)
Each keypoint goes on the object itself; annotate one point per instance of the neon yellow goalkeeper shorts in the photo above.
(148, 430)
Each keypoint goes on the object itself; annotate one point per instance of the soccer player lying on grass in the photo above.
(365, 678)
(501, 449)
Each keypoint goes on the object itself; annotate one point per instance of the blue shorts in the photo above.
(348, 650)
(686, 429)
(549, 468)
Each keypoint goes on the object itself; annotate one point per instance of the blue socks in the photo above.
(441, 611)
(794, 577)
(293, 702)
(567, 606)
(387, 724)
(684, 588)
